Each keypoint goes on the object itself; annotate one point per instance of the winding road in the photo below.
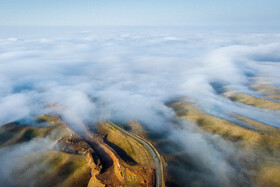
(155, 155)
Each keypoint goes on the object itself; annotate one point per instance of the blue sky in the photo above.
(140, 12)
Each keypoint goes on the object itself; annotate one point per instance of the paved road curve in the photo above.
(156, 156)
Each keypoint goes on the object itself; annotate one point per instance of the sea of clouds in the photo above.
(120, 74)
(133, 70)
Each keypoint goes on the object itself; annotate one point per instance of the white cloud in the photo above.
(124, 75)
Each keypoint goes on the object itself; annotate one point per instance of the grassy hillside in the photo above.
(261, 140)
(251, 100)
(53, 168)
(136, 153)
(269, 91)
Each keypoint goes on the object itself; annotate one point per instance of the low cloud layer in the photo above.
(129, 74)
(133, 71)
(15, 158)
